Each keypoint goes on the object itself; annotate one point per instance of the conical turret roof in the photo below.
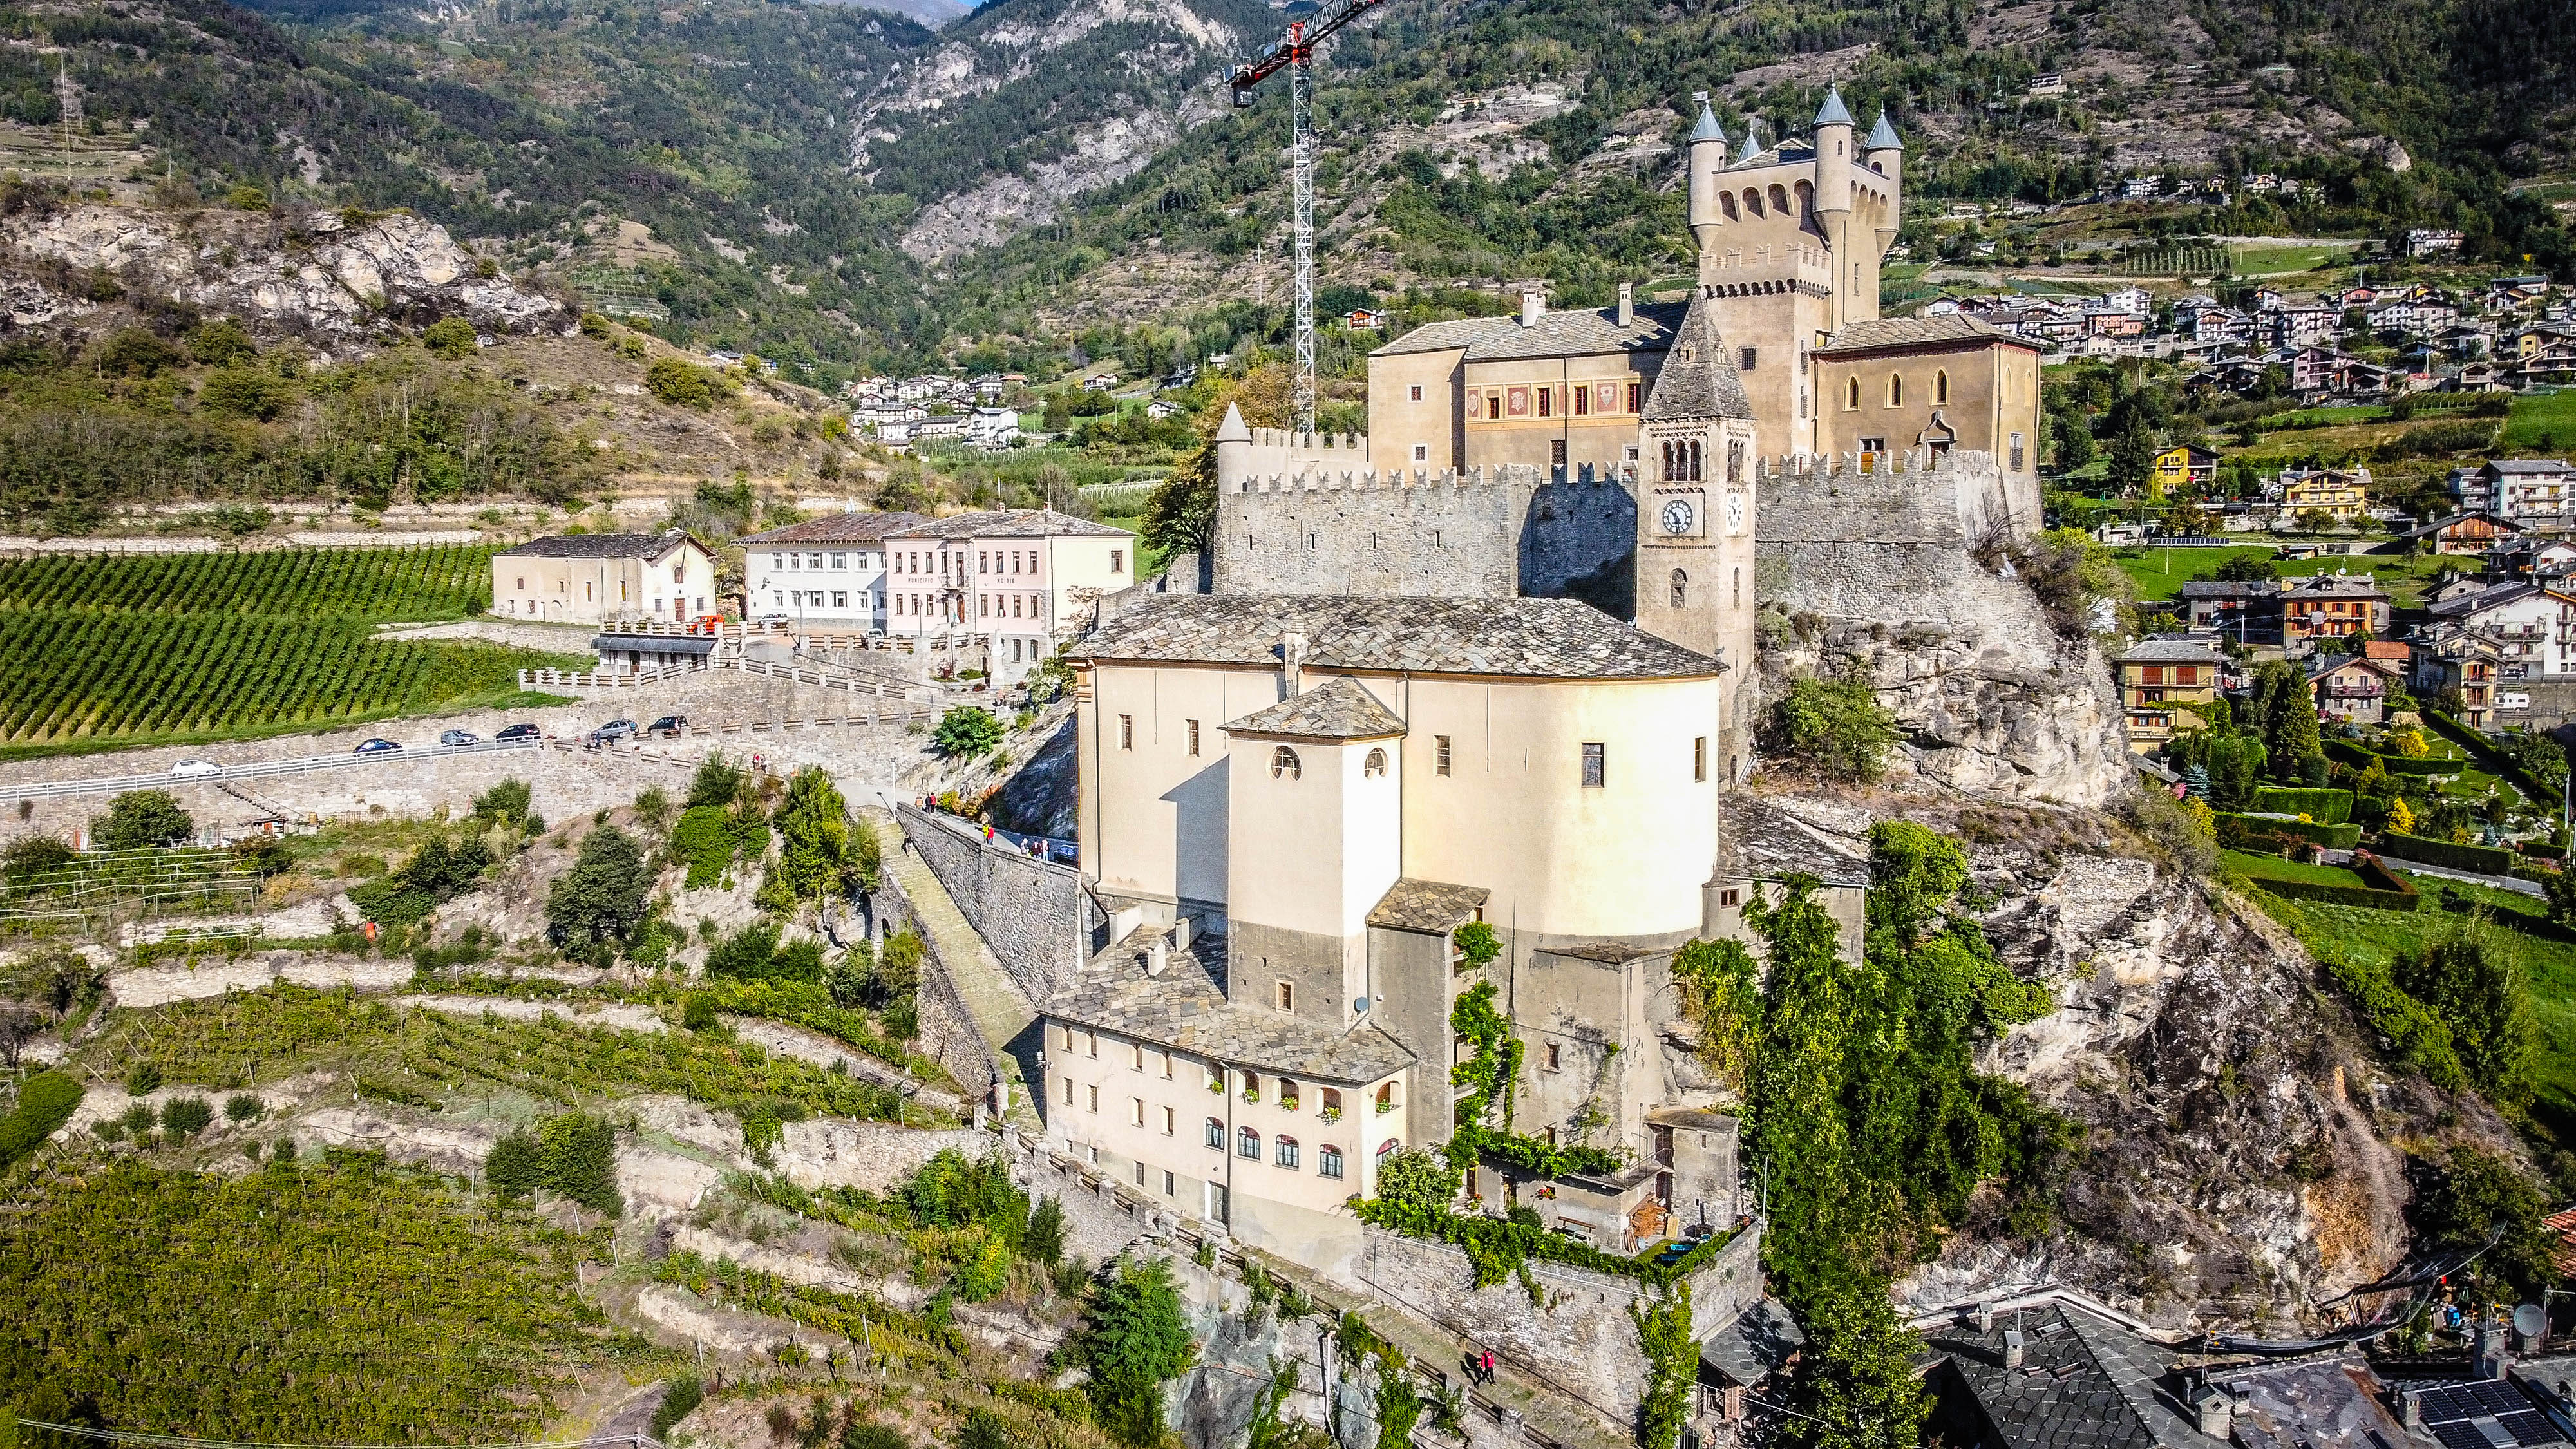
(1699, 378)
(1882, 137)
(1752, 146)
(1834, 112)
(1708, 129)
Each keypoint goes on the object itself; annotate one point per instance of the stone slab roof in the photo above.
(1337, 709)
(1608, 953)
(1885, 333)
(1186, 1008)
(1757, 840)
(870, 527)
(1699, 377)
(2083, 1383)
(646, 546)
(1427, 905)
(2328, 1402)
(1534, 638)
(2227, 589)
(1017, 522)
(1555, 334)
(1756, 1345)
(2158, 650)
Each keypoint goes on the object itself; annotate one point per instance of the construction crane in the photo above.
(1294, 53)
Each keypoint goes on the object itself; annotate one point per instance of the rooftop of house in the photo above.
(2229, 589)
(2083, 1382)
(1884, 333)
(1010, 522)
(1186, 1007)
(1427, 905)
(2337, 586)
(1756, 1345)
(2482, 1414)
(2494, 596)
(2528, 467)
(647, 546)
(868, 527)
(1758, 840)
(1529, 638)
(1577, 333)
(1699, 377)
(2321, 665)
(1338, 709)
(2173, 649)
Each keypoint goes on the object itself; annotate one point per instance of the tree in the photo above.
(821, 849)
(2473, 980)
(680, 384)
(506, 804)
(1836, 726)
(2470, 1195)
(1180, 514)
(600, 901)
(1418, 1177)
(967, 730)
(1856, 1377)
(2245, 568)
(1134, 1339)
(717, 782)
(141, 819)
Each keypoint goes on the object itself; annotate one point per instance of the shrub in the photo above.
(698, 1012)
(1836, 726)
(573, 1154)
(967, 730)
(2254, 828)
(186, 1116)
(718, 782)
(243, 1107)
(45, 1102)
(1134, 1339)
(141, 819)
(711, 838)
(753, 954)
(680, 384)
(144, 1079)
(822, 851)
(601, 899)
(2333, 807)
(685, 1392)
(451, 337)
(248, 391)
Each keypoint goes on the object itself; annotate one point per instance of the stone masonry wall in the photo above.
(948, 1034)
(1449, 535)
(1034, 914)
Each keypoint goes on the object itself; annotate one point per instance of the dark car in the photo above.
(455, 738)
(669, 724)
(376, 747)
(520, 732)
(613, 731)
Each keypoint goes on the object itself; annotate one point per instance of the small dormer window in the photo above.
(1283, 764)
(1375, 765)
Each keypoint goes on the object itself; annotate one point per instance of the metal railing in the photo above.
(118, 784)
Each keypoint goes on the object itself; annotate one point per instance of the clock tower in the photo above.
(1695, 518)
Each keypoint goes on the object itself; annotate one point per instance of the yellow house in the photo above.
(2180, 467)
(2340, 495)
(2159, 676)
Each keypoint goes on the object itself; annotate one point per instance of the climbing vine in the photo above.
(1477, 945)
(1672, 1367)
(1720, 999)
(1488, 1075)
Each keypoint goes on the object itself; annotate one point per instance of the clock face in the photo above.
(1677, 516)
(1735, 513)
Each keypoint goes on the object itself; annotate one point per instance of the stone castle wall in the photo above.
(1034, 914)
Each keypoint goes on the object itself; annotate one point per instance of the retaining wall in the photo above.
(1034, 914)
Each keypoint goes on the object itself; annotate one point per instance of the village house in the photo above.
(596, 578)
(2462, 533)
(2332, 606)
(824, 573)
(2341, 495)
(2350, 688)
(2161, 674)
(2527, 488)
(1021, 579)
(2185, 466)
(2244, 611)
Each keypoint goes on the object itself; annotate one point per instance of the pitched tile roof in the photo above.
(1426, 905)
(1756, 1345)
(1337, 709)
(1699, 377)
(1534, 638)
(601, 545)
(869, 527)
(1576, 333)
(1033, 522)
(1185, 1007)
(2083, 1383)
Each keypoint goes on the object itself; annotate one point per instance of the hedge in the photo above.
(2483, 859)
(2359, 758)
(2493, 759)
(2333, 837)
(2380, 877)
(2336, 895)
(2541, 849)
(2331, 806)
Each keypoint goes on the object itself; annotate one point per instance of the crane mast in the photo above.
(1295, 53)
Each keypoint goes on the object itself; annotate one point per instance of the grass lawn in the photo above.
(2280, 261)
(2158, 572)
(2272, 867)
(2541, 420)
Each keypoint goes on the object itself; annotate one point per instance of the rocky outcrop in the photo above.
(319, 276)
(2233, 1165)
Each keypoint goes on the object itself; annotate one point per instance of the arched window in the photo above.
(1668, 462)
(1374, 765)
(1681, 589)
(1386, 1094)
(1388, 1146)
(1735, 460)
(1726, 204)
(1328, 1162)
(1941, 386)
(1283, 764)
(1895, 390)
(1694, 460)
(1216, 1134)
(1753, 201)
(1851, 398)
(1779, 201)
(1806, 198)
(1286, 1155)
(1247, 1143)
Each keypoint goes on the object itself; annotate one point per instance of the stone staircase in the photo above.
(1001, 1013)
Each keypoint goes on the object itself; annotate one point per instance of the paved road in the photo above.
(2498, 882)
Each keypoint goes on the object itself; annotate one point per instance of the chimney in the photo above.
(1292, 664)
(2012, 1348)
(1182, 930)
(2213, 1411)
(2492, 1358)
(1627, 304)
(1532, 304)
(1984, 1318)
(1157, 957)
(2412, 1415)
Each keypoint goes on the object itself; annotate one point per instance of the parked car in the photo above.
(520, 732)
(613, 731)
(454, 738)
(195, 770)
(669, 724)
(774, 618)
(706, 624)
(377, 746)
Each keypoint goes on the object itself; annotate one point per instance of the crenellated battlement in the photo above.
(1800, 466)
(1312, 479)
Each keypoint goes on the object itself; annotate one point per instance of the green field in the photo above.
(2282, 261)
(102, 653)
(2273, 867)
(2541, 421)
(2159, 572)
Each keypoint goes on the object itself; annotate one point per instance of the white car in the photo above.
(195, 770)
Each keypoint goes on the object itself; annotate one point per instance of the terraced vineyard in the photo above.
(112, 651)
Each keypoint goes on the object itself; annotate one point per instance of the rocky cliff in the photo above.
(2236, 1164)
(332, 279)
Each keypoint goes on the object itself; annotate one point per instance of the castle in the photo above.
(1494, 662)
